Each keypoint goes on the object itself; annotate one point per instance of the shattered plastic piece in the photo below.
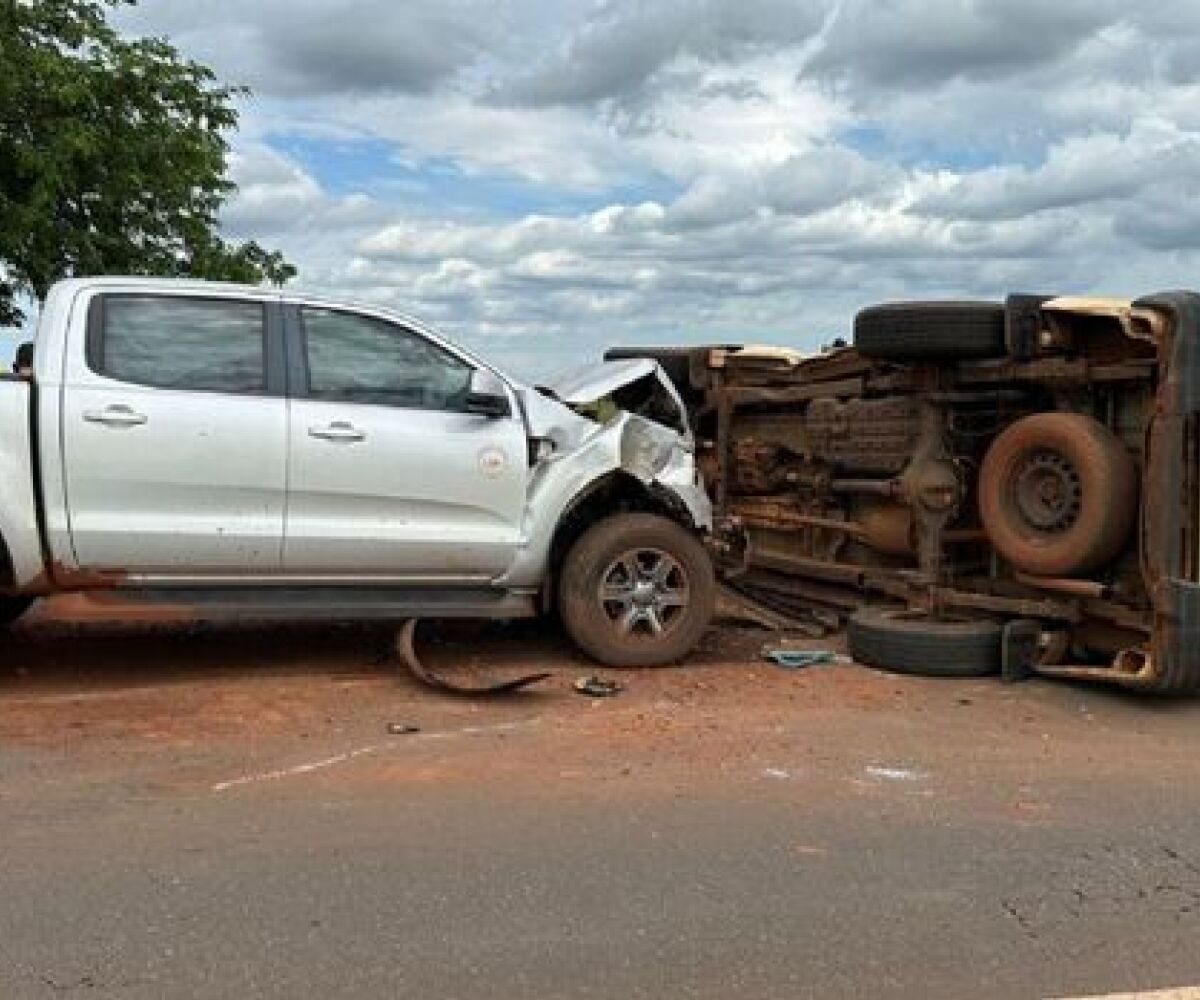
(796, 659)
(402, 728)
(894, 773)
(405, 647)
(597, 687)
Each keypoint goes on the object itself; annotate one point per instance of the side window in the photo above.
(173, 342)
(364, 360)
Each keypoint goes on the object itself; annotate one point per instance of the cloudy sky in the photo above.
(541, 178)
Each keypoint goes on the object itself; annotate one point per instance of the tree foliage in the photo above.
(112, 156)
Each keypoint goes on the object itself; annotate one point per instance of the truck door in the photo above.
(175, 436)
(388, 474)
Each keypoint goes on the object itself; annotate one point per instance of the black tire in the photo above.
(911, 642)
(608, 591)
(11, 608)
(930, 331)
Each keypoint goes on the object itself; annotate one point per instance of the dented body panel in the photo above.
(584, 454)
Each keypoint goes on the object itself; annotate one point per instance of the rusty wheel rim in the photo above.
(644, 593)
(1047, 491)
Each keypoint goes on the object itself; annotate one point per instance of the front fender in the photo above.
(653, 454)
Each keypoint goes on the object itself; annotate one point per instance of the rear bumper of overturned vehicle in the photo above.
(1171, 505)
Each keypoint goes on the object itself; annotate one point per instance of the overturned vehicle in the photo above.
(974, 487)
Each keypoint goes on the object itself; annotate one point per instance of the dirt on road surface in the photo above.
(1062, 818)
(189, 700)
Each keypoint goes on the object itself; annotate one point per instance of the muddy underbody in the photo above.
(839, 480)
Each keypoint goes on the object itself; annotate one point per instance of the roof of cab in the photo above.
(160, 284)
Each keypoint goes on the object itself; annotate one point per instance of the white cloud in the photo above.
(923, 43)
(1079, 171)
(709, 170)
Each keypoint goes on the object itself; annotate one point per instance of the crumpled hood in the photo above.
(585, 444)
(592, 383)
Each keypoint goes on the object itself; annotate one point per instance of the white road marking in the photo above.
(1180, 993)
(319, 765)
(894, 773)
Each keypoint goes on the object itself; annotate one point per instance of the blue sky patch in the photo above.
(439, 185)
(876, 143)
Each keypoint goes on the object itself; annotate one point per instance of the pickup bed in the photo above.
(249, 453)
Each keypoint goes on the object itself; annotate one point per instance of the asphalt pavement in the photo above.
(192, 812)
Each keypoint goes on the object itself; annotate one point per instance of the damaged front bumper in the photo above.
(618, 418)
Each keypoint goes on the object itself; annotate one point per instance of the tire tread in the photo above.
(878, 638)
(931, 331)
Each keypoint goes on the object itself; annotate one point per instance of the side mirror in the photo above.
(487, 395)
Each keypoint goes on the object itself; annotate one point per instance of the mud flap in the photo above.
(407, 651)
(1019, 649)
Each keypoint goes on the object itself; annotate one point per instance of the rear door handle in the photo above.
(116, 415)
(339, 430)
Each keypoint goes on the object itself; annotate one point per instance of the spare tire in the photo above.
(1057, 494)
(915, 642)
(930, 331)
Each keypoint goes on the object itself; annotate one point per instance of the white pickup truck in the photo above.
(250, 453)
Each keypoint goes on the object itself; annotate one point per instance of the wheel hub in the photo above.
(1048, 491)
(644, 591)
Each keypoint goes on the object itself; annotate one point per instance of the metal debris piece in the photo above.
(735, 606)
(597, 687)
(402, 728)
(406, 649)
(772, 611)
(796, 659)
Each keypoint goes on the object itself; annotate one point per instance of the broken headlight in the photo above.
(646, 447)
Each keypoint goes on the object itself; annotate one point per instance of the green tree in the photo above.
(112, 156)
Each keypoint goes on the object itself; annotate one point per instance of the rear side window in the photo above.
(171, 342)
(361, 359)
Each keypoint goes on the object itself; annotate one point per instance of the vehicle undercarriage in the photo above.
(976, 472)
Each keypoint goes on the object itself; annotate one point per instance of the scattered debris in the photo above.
(733, 605)
(402, 728)
(597, 687)
(406, 649)
(894, 773)
(796, 659)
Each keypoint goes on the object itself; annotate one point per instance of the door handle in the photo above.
(339, 430)
(116, 415)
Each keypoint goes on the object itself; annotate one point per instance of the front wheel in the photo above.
(637, 590)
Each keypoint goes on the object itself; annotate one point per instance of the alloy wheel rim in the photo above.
(644, 592)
